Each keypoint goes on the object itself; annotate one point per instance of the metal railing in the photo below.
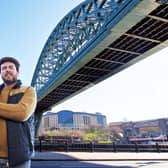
(42, 145)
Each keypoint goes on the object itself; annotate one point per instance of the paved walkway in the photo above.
(102, 156)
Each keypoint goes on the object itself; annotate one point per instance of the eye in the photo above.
(3, 68)
(11, 67)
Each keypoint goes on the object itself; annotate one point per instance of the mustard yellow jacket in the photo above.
(14, 112)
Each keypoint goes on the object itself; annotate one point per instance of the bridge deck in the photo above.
(142, 32)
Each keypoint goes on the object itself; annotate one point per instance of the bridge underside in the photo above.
(140, 34)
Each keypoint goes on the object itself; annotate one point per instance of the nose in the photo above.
(7, 69)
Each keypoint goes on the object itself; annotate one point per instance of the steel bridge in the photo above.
(94, 41)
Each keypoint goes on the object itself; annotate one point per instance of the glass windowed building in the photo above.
(72, 120)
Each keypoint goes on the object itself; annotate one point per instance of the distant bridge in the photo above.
(94, 41)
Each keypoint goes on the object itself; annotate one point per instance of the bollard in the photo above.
(92, 146)
(157, 147)
(66, 146)
(114, 147)
(40, 140)
(136, 147)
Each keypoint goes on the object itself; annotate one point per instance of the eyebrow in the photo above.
(11, 66)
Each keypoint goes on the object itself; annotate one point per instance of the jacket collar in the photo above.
(17, 85)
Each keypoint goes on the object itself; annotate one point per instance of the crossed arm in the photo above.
(21, 111)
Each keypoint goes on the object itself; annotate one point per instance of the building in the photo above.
(71, 120)
(146, 128)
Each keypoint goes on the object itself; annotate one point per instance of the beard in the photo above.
(9, 81)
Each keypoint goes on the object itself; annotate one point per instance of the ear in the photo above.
(17, 73)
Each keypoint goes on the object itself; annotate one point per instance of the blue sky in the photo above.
(140, 92)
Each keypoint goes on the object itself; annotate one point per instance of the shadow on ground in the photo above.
(61, 160)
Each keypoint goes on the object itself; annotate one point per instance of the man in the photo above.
(17, 104)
